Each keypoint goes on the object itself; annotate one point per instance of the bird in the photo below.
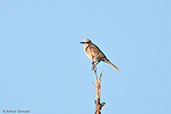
(95, 54)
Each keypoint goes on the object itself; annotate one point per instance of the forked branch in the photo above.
(98, 86)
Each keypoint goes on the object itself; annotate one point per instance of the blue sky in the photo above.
(43, 67)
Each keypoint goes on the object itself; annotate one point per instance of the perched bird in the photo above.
(94, 53)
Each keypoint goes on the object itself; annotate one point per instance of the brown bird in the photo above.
(95, 54)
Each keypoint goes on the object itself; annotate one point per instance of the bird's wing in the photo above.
(95, 51)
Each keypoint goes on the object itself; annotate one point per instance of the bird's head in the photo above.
(86, 41)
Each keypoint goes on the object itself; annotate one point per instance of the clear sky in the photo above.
(43, 67)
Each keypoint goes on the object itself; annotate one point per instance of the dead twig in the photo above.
(98, 87)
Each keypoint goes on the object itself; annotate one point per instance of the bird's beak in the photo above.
(81, 42)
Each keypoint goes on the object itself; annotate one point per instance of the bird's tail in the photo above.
(107, 61)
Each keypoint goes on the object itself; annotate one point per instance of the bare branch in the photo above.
(98, 86)
(93, 83)
(100, 75)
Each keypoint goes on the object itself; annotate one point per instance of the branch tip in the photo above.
(93, 83)
(100, 75)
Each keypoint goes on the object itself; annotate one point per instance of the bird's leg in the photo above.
(94, 66)
(98, 62)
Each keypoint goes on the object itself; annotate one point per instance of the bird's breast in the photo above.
(88, 52)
